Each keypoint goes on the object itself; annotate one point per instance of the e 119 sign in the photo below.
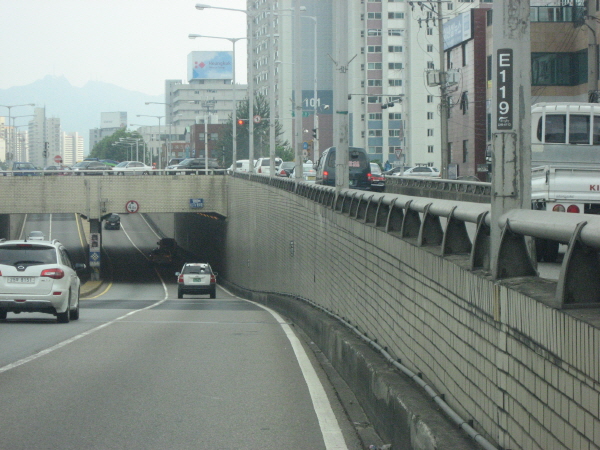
(504, 89)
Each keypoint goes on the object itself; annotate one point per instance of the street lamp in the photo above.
(131, 140)
(115, 144)
(234, 114)
(315, 116)
(160, 148)
(9, 118)
(250, 17)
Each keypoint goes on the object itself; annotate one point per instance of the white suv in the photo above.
(38, 276)
(263, 165)
(196, 278)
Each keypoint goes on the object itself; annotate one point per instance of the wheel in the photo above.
(179, 294)
(213, 293)
(74, 313)
(64, 316)
(145, 173)
(2, 315)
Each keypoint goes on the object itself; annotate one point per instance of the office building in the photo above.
(109, 123)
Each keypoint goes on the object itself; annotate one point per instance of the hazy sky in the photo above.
(134, 44)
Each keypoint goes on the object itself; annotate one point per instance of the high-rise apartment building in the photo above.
(72, 148)
(45, 138)
(393, 113)
(274, 66)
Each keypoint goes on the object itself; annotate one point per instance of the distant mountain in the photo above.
(79, 108)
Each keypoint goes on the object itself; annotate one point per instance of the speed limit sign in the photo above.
(257, 119)
(132, 206)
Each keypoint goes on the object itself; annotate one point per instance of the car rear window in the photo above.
(27, 253)
(196, 269)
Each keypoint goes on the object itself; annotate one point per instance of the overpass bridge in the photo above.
(512, 358)
(95, 196)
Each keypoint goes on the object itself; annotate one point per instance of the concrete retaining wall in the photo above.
(525, 374)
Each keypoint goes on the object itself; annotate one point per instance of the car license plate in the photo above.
(21, 280)
(197, 280)
(310, 178)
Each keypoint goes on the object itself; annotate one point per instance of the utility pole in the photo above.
(340, 100)
(511, 118)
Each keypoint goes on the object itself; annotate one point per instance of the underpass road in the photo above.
(145, 370)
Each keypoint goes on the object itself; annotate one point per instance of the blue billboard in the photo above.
(210, 66)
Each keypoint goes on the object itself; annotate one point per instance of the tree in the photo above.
(261, 134)
(106, 150)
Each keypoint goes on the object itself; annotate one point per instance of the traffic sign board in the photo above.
(58, 159)
(132, 206)
(257, 119)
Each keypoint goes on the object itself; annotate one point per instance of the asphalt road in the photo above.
(142, 369)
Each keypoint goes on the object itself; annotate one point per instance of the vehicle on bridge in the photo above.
(565, 162)
(196, 278)
(38, 276)
(241, 165)
(195, 166)
(285, 169)
(165, 253)
(56, 170)
(90, 168)
(359, 168)
(263, 165)
(132, 168)
(23, 169)
(377, 178)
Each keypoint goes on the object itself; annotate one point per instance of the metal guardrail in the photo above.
(418, 220)
(68, 172)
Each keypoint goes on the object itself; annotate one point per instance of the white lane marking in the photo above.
(330, 428)
(75, 338)
(148, 259)
(87, 333)
(23, 226)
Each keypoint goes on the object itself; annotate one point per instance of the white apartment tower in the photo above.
(45, 139)
(72, 148)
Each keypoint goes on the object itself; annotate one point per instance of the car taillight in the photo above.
(573, 209)
(325, 175)
(370, 176)
(55, 274)
(0, 273)
(213, 279)
(558, 208)
(180, 279)
(259, 170)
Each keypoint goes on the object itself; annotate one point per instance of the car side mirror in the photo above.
(177, 274)
(216, 274)
(79, 267)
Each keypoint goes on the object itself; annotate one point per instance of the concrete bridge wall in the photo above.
(526, 375)
(94, 196)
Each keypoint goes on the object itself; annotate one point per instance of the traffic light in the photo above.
(240, 122)
(315, 133)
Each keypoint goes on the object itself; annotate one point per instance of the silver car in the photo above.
(38, 276)
(196, 278)
(132, 168)
(36, 236)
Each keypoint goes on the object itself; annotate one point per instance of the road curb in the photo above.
(90, 287)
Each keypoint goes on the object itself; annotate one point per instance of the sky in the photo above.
(134, 44)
